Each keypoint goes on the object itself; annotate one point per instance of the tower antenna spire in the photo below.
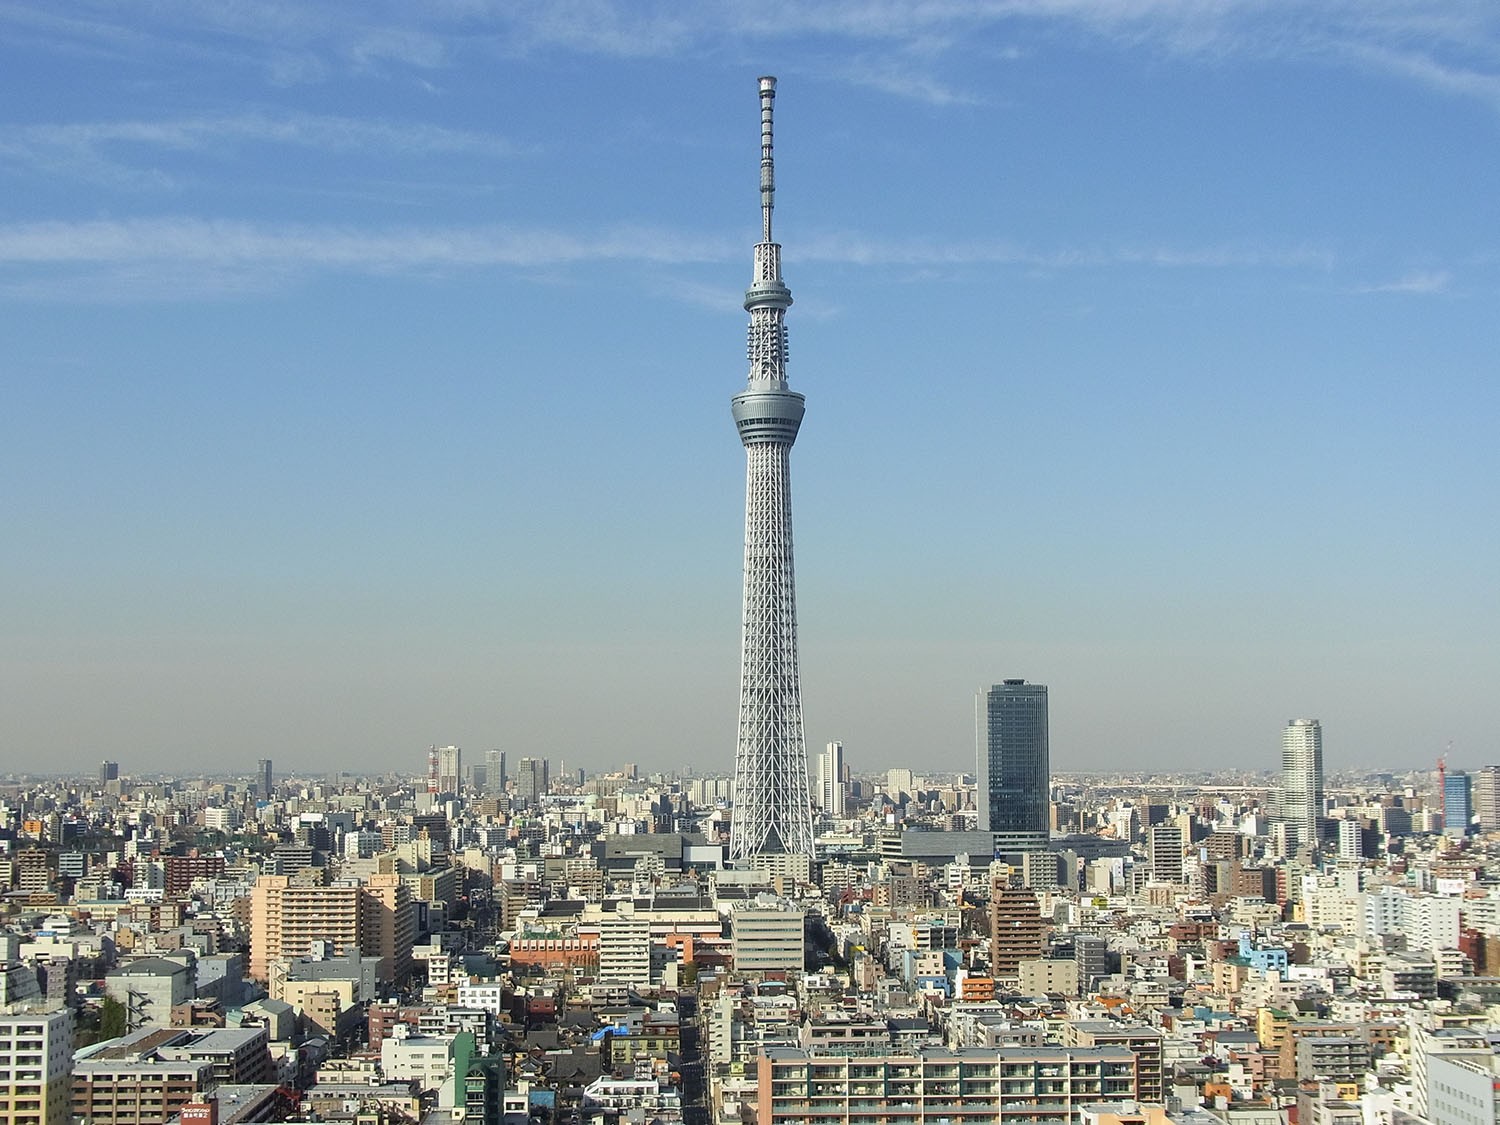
(767, 157)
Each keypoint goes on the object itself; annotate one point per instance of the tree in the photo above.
(111, 1019)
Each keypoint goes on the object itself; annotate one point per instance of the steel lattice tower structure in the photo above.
(772, 798)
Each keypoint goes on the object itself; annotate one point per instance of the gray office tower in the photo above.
(532, 781)
(1015, 774)
(494, 772)
(263, 777)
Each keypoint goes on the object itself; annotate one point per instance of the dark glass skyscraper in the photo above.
(1015, 771)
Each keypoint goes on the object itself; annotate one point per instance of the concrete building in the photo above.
(450, 770)
(766, 936)
(425, 1059)
(625, 946)
(150, 988)
(1462, 1089)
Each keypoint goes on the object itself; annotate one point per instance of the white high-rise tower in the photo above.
(831, 793)
(772, 803)
(1302, 781)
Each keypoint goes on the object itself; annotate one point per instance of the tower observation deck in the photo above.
(772, 800)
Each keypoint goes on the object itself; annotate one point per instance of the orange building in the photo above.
(376, 917)
(581, 952)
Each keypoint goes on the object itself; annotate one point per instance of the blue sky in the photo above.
(367, 368)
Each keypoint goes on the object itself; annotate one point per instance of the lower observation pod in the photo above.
(767, 415)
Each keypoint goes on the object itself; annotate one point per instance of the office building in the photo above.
(1458, 803)
(767, 936)
(1164, 847)
(263, 779)
(450, 772)
(831, 789)
(494, 772)
(108, 771)
(1014, 765)
(1301, 798)
(1091, 955)
(1487, 798)
(531, 781)
(1351, 844)
(1463, 1089)
(772, 810)
(900, 782)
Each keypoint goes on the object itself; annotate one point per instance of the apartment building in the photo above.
(36, 1059)
(955, 1086)
(376, 917)
(1144, 1043)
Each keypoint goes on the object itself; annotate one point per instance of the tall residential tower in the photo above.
(772, 803)
(1302, 781)
(832, 790)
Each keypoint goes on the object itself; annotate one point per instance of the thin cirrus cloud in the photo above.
(1450, 47)
(114, 149)
(152, 257)
(1418, 281)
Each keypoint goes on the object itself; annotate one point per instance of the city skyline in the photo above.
(1142, 340)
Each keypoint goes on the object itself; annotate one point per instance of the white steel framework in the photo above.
(772, 799)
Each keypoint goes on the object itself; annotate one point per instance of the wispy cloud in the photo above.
(183, 256)
(855, 249)
(121, 151)
(907, 46)
(230, 243)
(1420, 282)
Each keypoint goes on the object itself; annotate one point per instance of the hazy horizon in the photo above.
(368, 378)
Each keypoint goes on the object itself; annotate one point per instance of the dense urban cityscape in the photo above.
(495, 939)
(773, 936)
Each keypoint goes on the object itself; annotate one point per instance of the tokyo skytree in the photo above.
(772, 799)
